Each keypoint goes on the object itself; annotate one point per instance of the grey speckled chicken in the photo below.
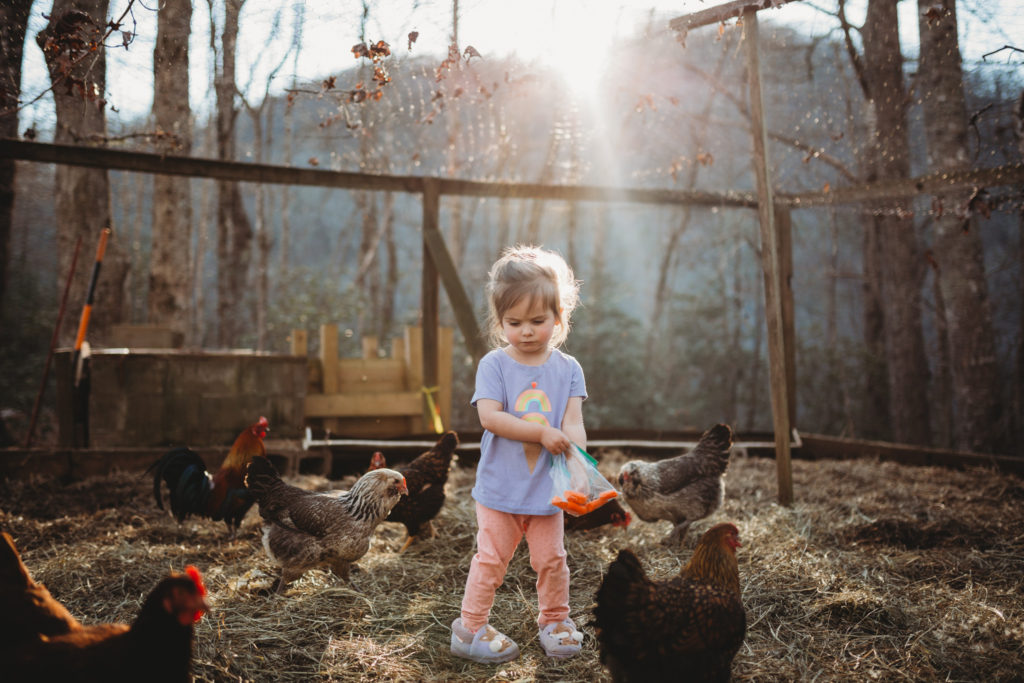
(681, 489)
(308, 529)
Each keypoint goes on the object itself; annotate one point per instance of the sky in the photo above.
(573, 35)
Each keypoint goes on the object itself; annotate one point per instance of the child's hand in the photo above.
(555, 440)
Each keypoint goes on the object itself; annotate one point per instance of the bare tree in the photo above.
(901, 262)
(957, 245)
(13, 25)
(234, 231)
(72, 44)
(169, 294)
(261, 142)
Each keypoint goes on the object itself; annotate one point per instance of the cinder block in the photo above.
(145, 337)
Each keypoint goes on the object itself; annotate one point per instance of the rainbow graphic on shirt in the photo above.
(533, 403)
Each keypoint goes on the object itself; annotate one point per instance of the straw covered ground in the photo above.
(879, 571)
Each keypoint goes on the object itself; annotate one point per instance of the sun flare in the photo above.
(572, 37)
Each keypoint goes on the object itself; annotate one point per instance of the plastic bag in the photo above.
(576, 485)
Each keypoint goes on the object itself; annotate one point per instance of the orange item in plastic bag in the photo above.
(569, 506)
(577, 503)
(576, 497)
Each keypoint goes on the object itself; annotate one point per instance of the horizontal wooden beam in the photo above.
(97, 157)
(144, 162)
(383, 404)
(720, 13)
(1010, 175)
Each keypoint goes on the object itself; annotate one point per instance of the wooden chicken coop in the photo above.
(376, 395)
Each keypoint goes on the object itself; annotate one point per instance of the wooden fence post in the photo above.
(329, 367)
(299, 340)
(770, 262)
(430, 294)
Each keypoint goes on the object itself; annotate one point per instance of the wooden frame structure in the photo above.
(439, 269)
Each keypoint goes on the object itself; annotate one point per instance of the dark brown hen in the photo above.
(426, 477)
(49, 644)
(687, 628)
(28, 608)
(610, 513)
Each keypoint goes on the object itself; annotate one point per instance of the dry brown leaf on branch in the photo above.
(413, 35)
(934, 14)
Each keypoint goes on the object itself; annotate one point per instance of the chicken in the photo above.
(194, 491)
(687, 628)
(609, 513)
(28, 608)
(307, 529)
(426, 477)
(681, 489)
(49, 644)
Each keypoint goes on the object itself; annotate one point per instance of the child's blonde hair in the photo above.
(537, 274)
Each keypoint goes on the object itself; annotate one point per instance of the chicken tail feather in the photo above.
(185, 474)
(614, 594)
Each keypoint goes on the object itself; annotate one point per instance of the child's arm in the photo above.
(572, 422)
(500, 423)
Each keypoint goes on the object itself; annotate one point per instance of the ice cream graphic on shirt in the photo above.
(532, 404)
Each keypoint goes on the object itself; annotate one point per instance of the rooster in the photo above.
(45, 643)
(610, 513)
(685, 628)
(194, 491)
(681, 489)
(426, 477)
(306, 529)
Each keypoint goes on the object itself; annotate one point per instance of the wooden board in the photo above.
(383, 404)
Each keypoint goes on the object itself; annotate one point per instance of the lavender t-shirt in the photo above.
(536, 393)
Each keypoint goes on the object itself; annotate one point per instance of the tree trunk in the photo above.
(957, 246)
(875, 419)
(169, 295)
(82, 195)
(943, 389)
(13, 25)
(234, 231)
(902, 266)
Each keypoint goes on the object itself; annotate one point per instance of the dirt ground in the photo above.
(877, 572)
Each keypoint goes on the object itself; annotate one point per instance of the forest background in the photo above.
(909, 318)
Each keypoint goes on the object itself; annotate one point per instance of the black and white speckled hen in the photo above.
(687, 628)
(309, 529)
(681, 489)
(426, 477)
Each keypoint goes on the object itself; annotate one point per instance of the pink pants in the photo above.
(496, 541)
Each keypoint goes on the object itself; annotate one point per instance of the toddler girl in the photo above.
(529, 396)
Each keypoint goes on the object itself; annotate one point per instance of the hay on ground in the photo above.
(879, 571)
